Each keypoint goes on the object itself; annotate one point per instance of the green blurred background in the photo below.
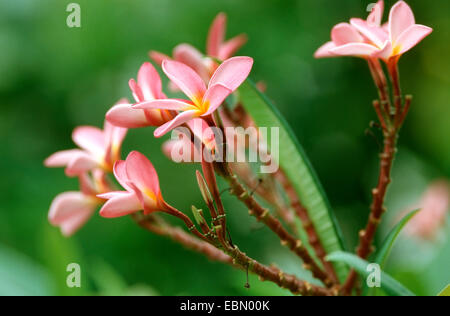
(53, 78)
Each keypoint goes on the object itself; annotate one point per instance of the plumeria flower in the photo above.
(216, 45)
(370, 39)
(204, 100)
(216, 48)
(71, 210)
(139, 178)
(98, 149)
(148, 87)
(346, 40)
(404, 33)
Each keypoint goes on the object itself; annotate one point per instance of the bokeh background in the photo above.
(53, 78)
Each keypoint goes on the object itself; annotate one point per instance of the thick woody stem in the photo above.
(308, 225)
(178, 235)
(262, 214)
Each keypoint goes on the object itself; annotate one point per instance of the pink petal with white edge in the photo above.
(70, 204)
(62, 158)
(216, 35)
(124, 115)
(158, 57)
(90, 138)
(376, 16)
(214, 96)
(324, 50)
(120, 204)
(401, 18)
(150, 83)
(232, 72)
(344, 33)
(141, 173)
(355, 49)
(83, 162)
(185, 78)
(374, 33)
(412, 36)
(232, 46)
(164, 104)
(177, 121)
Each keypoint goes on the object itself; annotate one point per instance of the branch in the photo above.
(263, 214)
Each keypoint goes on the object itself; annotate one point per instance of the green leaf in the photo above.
(294, 162)
(445, 292)
(388, 283)
(387, 244)
(20, 276)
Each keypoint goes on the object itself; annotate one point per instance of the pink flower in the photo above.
(138, 177)
(204, 100)
(369, 39)
(99, 149)
(216, 46)
(404, 33)
(434, 206)
(148, 87)
(71, 210)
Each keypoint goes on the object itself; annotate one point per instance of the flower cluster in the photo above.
(206, 80)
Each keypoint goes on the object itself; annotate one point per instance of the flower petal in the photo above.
(374, 33)
(69, 204)
(401, 18)
(150, 83)
(158, 57)
(214, 97)
(83, 162)
(185, 78)
(375, 17)
(412, 36)
(90, 138)
(164, 104)
(324, 50)
(141, 173)
(62, 158)
(177, 121)
(191, 57)
(120, 172)
(124, 115)
(232, 72)
(232, 46)
(355, 49)
(344, 33)
(216, 35)
(120, 204)
(74, 223)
